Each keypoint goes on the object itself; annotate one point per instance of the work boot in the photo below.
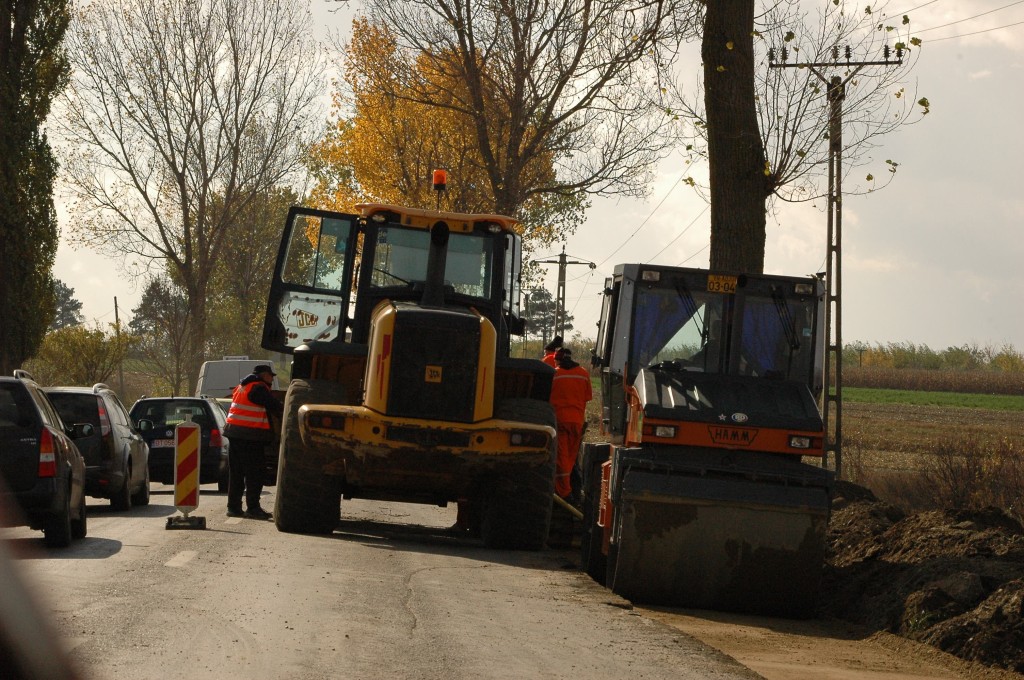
(235, 512)
(258, 513)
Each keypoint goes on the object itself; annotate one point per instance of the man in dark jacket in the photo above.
(550, 351)
(249, 431)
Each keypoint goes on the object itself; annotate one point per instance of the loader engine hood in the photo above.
(687, 395)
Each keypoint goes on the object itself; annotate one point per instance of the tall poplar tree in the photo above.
(33, 70)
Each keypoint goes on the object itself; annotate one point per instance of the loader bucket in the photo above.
(730, 543)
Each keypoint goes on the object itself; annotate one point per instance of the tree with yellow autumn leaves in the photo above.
(531, 114)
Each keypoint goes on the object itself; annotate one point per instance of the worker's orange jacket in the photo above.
(570, 392)
(244, 412)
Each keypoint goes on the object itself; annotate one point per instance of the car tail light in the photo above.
(47, 455)
(104, 419)
(215, 439)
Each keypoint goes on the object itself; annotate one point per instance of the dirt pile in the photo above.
(952, 579)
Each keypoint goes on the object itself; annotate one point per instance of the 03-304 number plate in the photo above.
(721, 284)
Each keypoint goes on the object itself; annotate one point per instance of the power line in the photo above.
(695, 254)
(687, 228)
(964, 35)
(647, 219)
(960, 21)
(913, 9)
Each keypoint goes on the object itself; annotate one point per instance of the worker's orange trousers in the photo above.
(569, 437)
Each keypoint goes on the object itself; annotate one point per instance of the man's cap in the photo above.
(555, 343)
(264, 368)
(565, 352)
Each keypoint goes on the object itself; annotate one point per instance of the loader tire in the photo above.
(308, 501)
(592, 560)
(518, 499)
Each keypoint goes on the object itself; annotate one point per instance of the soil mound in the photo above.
(952, 579)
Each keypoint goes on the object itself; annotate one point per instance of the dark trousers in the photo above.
(246, 462)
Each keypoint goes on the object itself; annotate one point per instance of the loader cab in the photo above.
(700, 324)
(333, 269)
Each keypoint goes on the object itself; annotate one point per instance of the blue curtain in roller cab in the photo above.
(768, 336)
(659, 315)
(762, 336)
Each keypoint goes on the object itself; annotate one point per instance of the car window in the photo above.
(15, 407)
(46, 410)
(76, 408)
(117, 411)
(219, 417)
(170, 412)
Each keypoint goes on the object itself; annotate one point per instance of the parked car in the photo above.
(43, 470)
(116, 454)
(166, 412)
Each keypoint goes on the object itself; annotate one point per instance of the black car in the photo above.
(42, 469)
(116, 455)
(166, 412)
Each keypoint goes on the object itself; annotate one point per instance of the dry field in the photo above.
(931, 457)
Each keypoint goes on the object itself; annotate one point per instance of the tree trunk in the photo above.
(739, 184)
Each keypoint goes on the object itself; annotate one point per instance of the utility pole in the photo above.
(832, 394)
(562, 263)
(120, 360)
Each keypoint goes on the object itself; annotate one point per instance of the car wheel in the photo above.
(141, 497)
(57, 530)
(80, 526)
(122, 500)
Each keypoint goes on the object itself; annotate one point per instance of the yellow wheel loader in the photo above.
(399, 322)
(711, 493)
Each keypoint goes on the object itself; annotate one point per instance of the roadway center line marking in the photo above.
(181, 559)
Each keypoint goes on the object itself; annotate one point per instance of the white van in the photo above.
(218, 379)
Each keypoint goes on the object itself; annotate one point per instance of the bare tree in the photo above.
(578, 80)
(765, 131)
(179, 114)
(160, 329)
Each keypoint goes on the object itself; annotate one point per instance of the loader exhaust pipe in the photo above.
(433, 287)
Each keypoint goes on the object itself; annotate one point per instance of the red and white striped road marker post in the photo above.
(186, 476)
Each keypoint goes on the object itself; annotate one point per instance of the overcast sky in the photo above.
(936, 258)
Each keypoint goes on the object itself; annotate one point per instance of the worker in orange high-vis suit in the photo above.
(570, 392)
(248, 430)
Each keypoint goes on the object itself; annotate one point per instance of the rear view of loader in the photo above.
(712, 494)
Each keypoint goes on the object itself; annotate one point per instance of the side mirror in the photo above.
(144, 425)
(516, 324)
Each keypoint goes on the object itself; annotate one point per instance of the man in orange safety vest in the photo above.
(248, 429)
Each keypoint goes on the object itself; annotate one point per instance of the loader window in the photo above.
(513, 258)
(317, 252)
(401, 260)
(308, 303)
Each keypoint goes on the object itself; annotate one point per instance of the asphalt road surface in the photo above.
(391, 594)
